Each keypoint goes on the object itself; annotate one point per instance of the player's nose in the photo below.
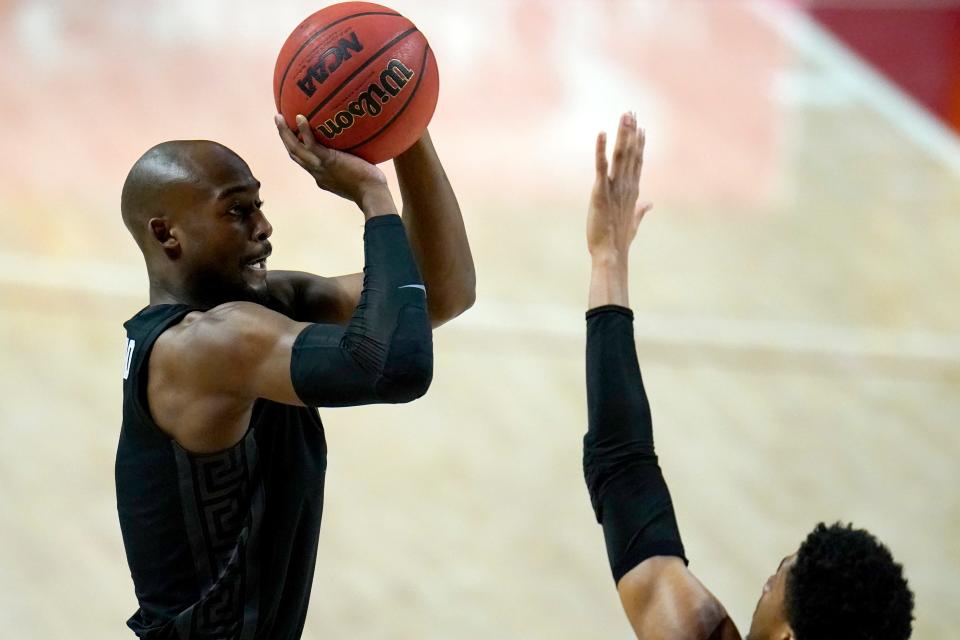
(262, 229)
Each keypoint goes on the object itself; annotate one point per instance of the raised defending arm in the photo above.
(660, 596)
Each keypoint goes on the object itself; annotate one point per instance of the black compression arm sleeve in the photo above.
(385, 353)
(627, 489)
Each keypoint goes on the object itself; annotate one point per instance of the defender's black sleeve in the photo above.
(627, 489)
(385, 353)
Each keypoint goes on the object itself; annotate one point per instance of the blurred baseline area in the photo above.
(915, 43)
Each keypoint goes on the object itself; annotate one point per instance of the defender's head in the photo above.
(841, 583)
(193, 207)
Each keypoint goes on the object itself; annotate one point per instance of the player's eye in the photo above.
(244, 209)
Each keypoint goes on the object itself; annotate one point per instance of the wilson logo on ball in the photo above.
(364, 77)
(329, 61)
(369, 103)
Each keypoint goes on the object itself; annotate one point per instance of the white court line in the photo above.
(862, 80)
(559, 321)
(789, 338)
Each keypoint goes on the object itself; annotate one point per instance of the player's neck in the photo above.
(165, 296)
(162, 292)
(165, 292)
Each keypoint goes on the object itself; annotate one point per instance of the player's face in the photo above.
(225, 244)
(770, 619)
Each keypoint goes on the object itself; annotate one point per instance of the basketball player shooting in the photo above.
(221, 460)
(840, 583)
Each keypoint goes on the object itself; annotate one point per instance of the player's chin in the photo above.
(256, 285)
(249, 285)
(254, 276)
(255, 272)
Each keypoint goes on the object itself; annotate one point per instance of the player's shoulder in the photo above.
(224, 316)
(223, 327)
(662, 598)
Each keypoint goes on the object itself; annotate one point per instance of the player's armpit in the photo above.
(663, 599)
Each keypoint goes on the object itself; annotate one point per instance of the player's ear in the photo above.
(162, 232)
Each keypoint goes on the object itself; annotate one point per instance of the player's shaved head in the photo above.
(193, 208)
(165, 179)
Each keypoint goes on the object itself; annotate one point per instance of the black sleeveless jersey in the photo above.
(221, 545)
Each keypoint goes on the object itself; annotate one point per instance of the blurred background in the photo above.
(795, 290)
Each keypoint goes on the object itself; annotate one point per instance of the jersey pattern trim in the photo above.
(223, 501)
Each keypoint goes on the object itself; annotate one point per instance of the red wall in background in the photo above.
(916, 47)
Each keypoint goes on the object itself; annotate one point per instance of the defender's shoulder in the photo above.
(663, 599)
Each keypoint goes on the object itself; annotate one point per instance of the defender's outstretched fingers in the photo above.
(623, 147)
(641, 210)
(637, 165)
(602, 156)
(643, 145)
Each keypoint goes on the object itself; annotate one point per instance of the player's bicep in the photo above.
(241, 350)
(321, 299)
(663, 599)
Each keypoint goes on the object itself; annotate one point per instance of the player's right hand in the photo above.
(338, 172)
(614, 214)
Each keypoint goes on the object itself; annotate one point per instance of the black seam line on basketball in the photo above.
(317, 35)
(359, 69)
(406, 104)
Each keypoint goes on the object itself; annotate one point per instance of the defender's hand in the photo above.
(614, 213)
(341, 173)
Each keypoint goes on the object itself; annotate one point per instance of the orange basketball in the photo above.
(364, 77)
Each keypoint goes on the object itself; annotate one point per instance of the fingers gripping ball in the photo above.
(364, 77)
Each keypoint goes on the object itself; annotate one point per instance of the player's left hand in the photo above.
(341, 173)
(614, 214)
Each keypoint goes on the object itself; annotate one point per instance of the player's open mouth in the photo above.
(259, 263)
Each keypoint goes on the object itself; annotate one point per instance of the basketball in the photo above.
(364, 77)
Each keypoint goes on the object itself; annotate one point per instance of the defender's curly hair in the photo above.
(845, 584)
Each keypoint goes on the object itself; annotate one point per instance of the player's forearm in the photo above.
(376, 201)
(626, 486)
(437, 234)
(385, 353)
(617, 407)
(608, 281)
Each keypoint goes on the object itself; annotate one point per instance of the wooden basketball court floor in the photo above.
(795, 289)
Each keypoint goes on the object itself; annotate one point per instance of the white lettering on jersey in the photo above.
(131, 343)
